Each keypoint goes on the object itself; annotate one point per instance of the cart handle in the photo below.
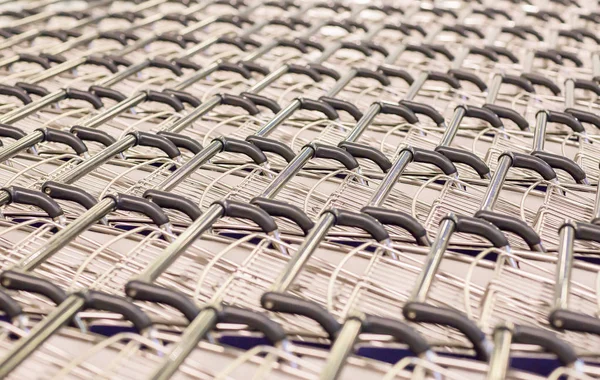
(434, 158)
(69, 193)
(447, 78)
(27, 283)
(247, 211)
(427, 52)
(120, 305)
(377, 75)
(333, 153)
(57, 136)
(401, 332)
(17, 92)
(359, 47)
(469, 77)
(461, 156)
(483, 51)
(569, 56)
(510, 114)
(182, 141)
(269, 145)
(156, 141)
(541, 80)
(21, 195)
(168, 200)
(584, 116)
(239, 101)
(423, 313)
(92, 134)
(33, 89)
(560, 162)
(547, 340)
(11, 131)
(399, 110)
(519, 81)
(260, 100)
(271, 329)
(585, 231)
(288, 304)
(234, 68)
(562, 319)
(400, 219)
(125, 202)
(285, 210)
(322, 69)
(478, 227)
(243, 147)
(526, 161)
(174, 38)
(254, 67)
(95, 101)
(319, 106)
(565, 119)
(441, 49)
(393, 72)
(586, 84)
(514, 225)
(424, 109)
(359, 220)
(143, 291)
(108, 93)
(304, 70)
(342, 105)
(184, 97)
(364, 151)
(30, 58)
(484, 114)
(9, 306)
(102, 61)
(159, 97)
(504, 52)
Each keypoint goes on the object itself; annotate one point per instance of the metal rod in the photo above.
(20, 113)
(495, 185)
(500, 355)
(387, 183)
(494, 89)
(21, 144)
(569, 93)
(288, 172)
(539, 135)
(452, 129)
(564, 267)
(341, 349)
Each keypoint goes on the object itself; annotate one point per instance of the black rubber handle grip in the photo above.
(334, 153)
(9, 306)
(92, 134)
(142, 291)
(33, 89)
(526, 161)
(441, 49)
(588, 34)
(260, 100)
(564, 163)
(469, 77)
(27, 283)
(243, 147)
(250, 212)
(186, 63)
(319, 106)
(69, 193)
(17, 92)
(547, 340)
(457, 29)
(324, 70)
(424, 109)
(103, 62)
(232, 42)
(342, 105)
(434, 158)
(461, 156)
(550, 55)
(30, 58)
(401, 332)
(271, 329)
(156, 141)
(358, 220)
(373, 46)
(284, 303)
(165, 199)
(541, 80)
(589, 85)
(272, 146)
(21, 195)
(234, 68)
(240, 101)
(377, 75)
(424, 313)
(484, 52)
(447, 78)
(54, 58)
(585, 231)
(584, 116)
(565, 119)
(364, 151)
(11, 131)
(514, 225)
(427, 52)
(294, 44)
(484, 114)
(173, 38)
(162, 63)
(254, 67)
(571, 321)
(108, 93)
(285, 210)
(393, 72)
(521, 82)
(95, 101)
(125, 202)
(510, 114)
(182, 141)
(107, 302)
(359, 47)
(120, 61)
(159, 97)
(504, 52)
(184, 97)
(400, 219)
(569, 56)
(304, 70)
(398, 110)
(479, 227)
(74, 142)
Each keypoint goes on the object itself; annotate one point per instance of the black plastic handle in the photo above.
(319, 106)
(333, 153)
(569, 56)
(589, 85)
(232, 41)
(120, 61)
(260, 100)
(142, 291)
(272, 146)
(394, 72)
(424, 313)
(565, 119)
(468, 77)
(398, 110)
(514, 225)
(156, 141)
(107, 302)
(95, 101)
(400, 219)
(342, 105)
(426, 51)
(324, 70)
(14, 280)
(424, 109)
(165, 199)
(377, 75)
(434, 158)
(11, 131)
(520, 82)
(162, 63)
(541, 80)
(184, 97)
(17, 92)
(441, 49)
(285, 210)
(585, 231)
(125, 202)
(547, 340)
(92, 134)
(484, 114)
(240, 101)
(359, 220)
(30, 58)
(250, 212)
(479, 227)
(243, 147)
(510, 114)
(174, 38)
(526, 161)
(108, 93)
(186, 63)
(401, 332)
(359, 47)
(160, 97)
(234, 68)
(364, 151)
(461, 156)
(562, 319)
(96, 60)
(33, 89)
(182, 141)
(447, 78)
(504, 52)
(484, 52)
(285, 303)
(550, 55)
(21, 195)
(584, 116)
(54, 58)
(304, 70)
(9, 306)
(564, 163)
(69, 193)
(74, 142)
(271, 329)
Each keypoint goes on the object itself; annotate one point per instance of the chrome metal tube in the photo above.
(495, 185)
(539, 135)
(564, 268)
(341, 349)
(272, 77)
(416, 86)
(281, 116)
(341, 83)
(20, 145)
(387, 183)
(453, 125)
(569, 93)
(194, 115)
(22, 112)
(288, 172)
(500, 355)
(117, 109)
(364, 122)
(494, 89)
